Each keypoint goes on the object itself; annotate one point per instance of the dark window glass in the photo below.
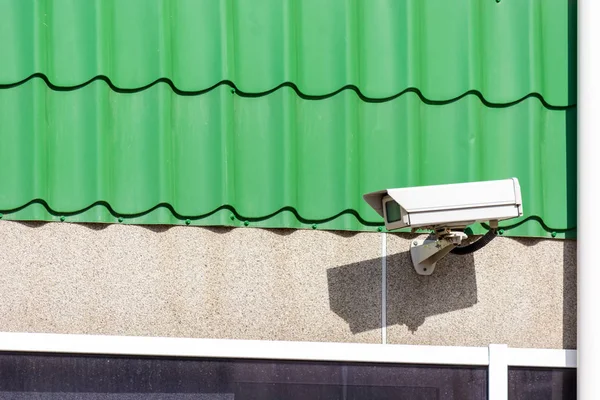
(392, 211)
(49, 377)
(542, 384)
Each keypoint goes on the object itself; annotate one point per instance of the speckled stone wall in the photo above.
(522, 292)
(249, 283)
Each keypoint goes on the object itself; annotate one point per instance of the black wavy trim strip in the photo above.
(289, 85)
(535, 218)
(190, 217)
(251, 219)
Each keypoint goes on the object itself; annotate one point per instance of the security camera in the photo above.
(447, 210)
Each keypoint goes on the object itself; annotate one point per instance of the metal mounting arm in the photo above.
(426, 253)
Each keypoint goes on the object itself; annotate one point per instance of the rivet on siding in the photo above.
(120, 219)
(314, 226)
(501, 231)
(497, 1)
(232, 217)
(232, 91)
(246, 223)
(553, 234)
(415, 243)
(187, 222)
(62, 219)
(379, 229)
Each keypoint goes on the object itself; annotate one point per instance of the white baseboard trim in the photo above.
(278, 350)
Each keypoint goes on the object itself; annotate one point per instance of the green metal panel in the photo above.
(282, 113)
(503, 50)
(154, 156)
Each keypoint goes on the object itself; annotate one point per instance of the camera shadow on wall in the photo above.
(355, 291)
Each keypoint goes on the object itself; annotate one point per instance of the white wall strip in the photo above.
(246, 349)
(498, 372)
(588, 187)
(279, 350)
(549, 358)
(383, 288)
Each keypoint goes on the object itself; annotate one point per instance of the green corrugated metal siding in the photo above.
(383, 47)
(332, 99)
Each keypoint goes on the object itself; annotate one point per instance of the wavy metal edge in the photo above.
(238, 219)
(299, 93)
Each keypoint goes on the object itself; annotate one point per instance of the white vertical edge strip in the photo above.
(243, 349)
(588, 214)
(543, 358)
(383, 288)
(498, 372)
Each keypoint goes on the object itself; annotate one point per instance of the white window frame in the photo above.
(497, 357)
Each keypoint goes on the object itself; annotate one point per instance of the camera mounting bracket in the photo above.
(426, 253)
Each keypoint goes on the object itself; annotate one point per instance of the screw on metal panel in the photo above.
(501, 231)
(553, 234)
(187, 222)
(497, 1)
(246, 223)
(232, 91)
(120, 219)
(62, 219)
(314, 226)
(232, 217)
(379, 229)
(415, 243)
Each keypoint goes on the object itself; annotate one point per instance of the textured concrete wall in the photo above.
(522, 292)
(280, 285)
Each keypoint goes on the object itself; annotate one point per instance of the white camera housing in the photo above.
(448, 206)
(447, 209)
